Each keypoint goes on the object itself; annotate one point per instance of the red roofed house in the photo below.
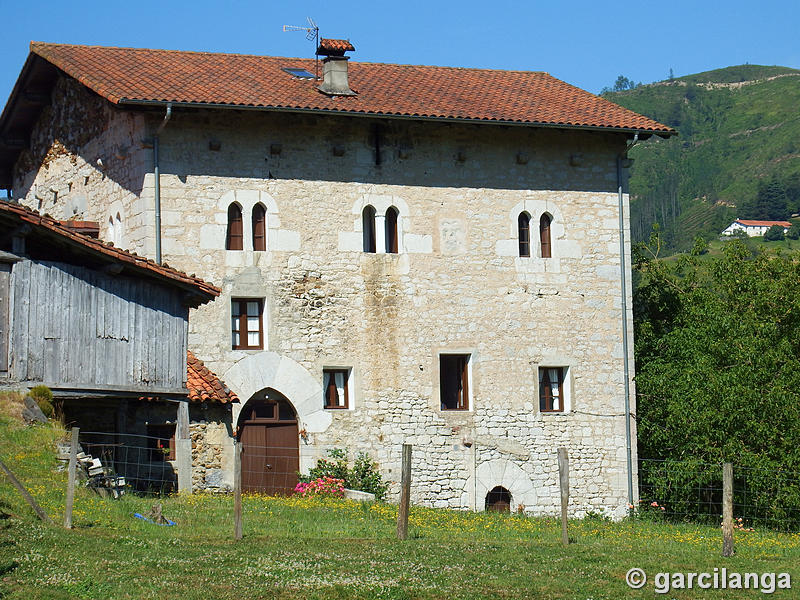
(753, 228)
(408, 254)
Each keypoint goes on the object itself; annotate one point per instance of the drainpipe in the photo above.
(623, 285)
(157, 176)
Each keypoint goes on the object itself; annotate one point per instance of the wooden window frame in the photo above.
(524, 231)
(157, 434)
(463, 394)
(545, 244)
(259, 222)
(243, 331)
(390, 226)
(234, 236)
(545, 390)
(368, 226)
(331, 389)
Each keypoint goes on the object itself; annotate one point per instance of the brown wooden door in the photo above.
(270, 450)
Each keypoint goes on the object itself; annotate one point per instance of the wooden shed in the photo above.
(103, 328)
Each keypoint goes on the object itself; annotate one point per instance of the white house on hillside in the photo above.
(754, 228)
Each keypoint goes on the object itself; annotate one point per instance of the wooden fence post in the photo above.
(73, 463)
(727, 509)
(237, 490)
(28, 498)
(563, 479)
(405, 494)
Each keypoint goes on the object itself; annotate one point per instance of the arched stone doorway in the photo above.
(498, 500)
(267, 429)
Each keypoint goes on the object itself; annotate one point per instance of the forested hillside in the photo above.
(737, 155)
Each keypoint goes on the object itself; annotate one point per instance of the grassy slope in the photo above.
(301, 548)
(730, 139)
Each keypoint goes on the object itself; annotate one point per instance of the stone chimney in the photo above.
(334, 67)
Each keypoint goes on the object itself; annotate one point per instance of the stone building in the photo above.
(407, 254)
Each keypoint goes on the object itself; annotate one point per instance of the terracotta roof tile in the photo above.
(329, 46)
(128, 75)
(31, 217)
(205, 386)
(751, 223)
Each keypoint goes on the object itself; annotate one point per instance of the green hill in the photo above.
(739, 131)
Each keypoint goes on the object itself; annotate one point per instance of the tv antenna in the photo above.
(312, 33)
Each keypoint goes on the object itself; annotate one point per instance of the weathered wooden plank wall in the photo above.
(73, 326)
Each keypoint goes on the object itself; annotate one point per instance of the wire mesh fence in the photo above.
(686, 490)
(117, 463)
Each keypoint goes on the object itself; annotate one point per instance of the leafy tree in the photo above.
(774, 234)
(718, 365)
(794, 232)
(700, 246)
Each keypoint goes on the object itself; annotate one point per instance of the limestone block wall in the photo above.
(89, 161)
(457, 285)
(212, 449)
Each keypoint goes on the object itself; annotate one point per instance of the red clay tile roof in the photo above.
(203, 385)
(31, 217)
(327, 45)
(128, 75)
(750, 223)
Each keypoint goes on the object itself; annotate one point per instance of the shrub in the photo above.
(363, 476)
(44, 398)
(774, 234)
(794, 232)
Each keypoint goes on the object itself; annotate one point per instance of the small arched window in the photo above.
(259, 227)
(111, 231)
(233, 239)
(524, 227)
(391, 230)
(118, 230)
(368, 225)
(544, 235)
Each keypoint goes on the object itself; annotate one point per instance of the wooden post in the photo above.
(73, 463)
(563, 479)
(237, 490)
(727, 509)
(405, 494)
(28, 498)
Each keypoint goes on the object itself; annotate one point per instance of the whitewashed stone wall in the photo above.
(457, 285)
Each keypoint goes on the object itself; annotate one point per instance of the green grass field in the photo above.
(307, 548)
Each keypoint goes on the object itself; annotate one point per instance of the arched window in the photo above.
(498, 500)
(259, 227)
(111, 232)
(544, 235)
(368, 222)
(118, 231)
(524, 224)
(391, 230)
(233, 239)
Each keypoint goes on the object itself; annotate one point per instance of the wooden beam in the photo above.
(24, 493)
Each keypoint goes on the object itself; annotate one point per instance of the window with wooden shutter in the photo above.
(234, 238)
(552, 392)
(247, 324)
(335, 386)
(524, 227)
(391, 230)
(454, 381)
(368, 227)
(161, 441)
(259, 228)
(544, 235)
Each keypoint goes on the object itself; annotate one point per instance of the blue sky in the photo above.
(586, 43)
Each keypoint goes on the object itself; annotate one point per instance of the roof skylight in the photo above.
(299, 73)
